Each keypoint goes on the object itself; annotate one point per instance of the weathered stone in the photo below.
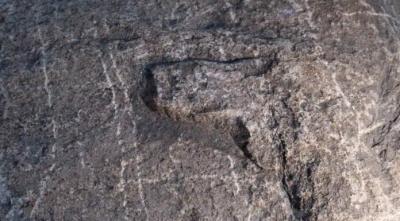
(200, 110)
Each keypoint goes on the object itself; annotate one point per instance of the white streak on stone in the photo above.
(121, 184)
(81, 155)
(54, 128)
(42, 190)
(371, 128)
(340, 91)
(118, 129)
(221, 51)
(167, 177)
(140, 187)
(234, 175)
(44, 68)
(111, 86)
(173, 159)
(82, 159)
(53, 150)
(120, 79)
(54, 146)
(373, 14)
(125, 88)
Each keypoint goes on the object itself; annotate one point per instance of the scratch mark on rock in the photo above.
(340, 91)
(44, 67)
(111, 86)
(234, 175)
(140, 187)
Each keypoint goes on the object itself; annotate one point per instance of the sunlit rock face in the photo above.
(200, 110)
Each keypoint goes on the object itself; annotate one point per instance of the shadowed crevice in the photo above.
(241, 135)
(298, 185)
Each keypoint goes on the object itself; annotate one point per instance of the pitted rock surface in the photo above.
(200, 110)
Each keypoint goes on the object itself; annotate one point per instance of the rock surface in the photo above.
(200, 110)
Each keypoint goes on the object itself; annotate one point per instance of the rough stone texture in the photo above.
(200, 110)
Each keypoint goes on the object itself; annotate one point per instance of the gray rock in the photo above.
(199, 110)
